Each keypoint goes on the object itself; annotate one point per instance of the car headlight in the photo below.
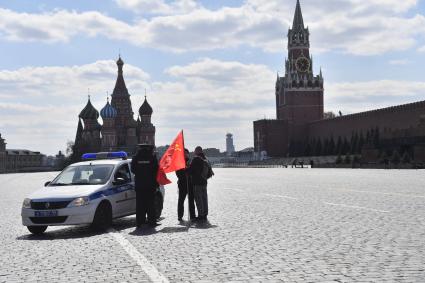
(26, 203)
(80, 201)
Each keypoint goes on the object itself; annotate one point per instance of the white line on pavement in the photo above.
(280, 196)
(356, 207)
(233, 189)
(141, 260)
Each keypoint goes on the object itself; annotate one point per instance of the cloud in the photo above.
(40, 105)
(50, 99)
(158, 6)
(421, 49)
(399, 62)
(362, 96)
(350, 26)
(207, 98)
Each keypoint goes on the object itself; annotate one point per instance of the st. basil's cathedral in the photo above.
(119, 131)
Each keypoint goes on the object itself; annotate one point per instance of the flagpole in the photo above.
(187, 186)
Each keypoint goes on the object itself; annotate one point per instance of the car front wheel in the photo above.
(37, 230)
(102, 217)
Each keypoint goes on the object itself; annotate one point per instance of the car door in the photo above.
(131, 194)
(121, 188)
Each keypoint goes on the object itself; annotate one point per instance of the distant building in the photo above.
(230, 148)
(119, 131)
(160, 150)
(23, 160)
(59, 161)
(2, 155)
(245, 155)
(212, 152)
(301, 130)
(20, 160)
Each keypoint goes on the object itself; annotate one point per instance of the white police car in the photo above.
(89, 192)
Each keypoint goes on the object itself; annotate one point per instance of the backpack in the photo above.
(207, 171)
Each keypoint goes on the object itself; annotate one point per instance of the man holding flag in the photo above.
(172, 160)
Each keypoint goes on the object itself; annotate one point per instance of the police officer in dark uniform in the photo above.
(144, 166)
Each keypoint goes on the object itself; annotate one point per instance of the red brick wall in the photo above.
(387, 119)
(302, 107)
(271, 136)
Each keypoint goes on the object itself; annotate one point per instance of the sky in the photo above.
(208, 67)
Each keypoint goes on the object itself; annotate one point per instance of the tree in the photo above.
(345, 146)
(291, 149)
(384, 158)
(368, 137)
(360, 143)
(395, 158)
(318, 150)
(338, 149)
(347, 159)
(325, 150)
(376, 138)
(406, 158)
(354, 143)
(338, 160)
(308, 150)
(69, 148)
(332, 146)
(329, 115)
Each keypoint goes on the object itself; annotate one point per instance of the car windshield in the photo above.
(84, 175)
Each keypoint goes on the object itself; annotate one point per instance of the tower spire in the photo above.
(298, 17)
(120, 87)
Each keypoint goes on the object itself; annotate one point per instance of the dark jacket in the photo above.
(183, 177)
(145, 167)
(195, 170)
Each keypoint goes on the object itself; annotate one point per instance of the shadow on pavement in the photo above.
(84, 231)
(144, 231)
(78, 232)
(174, 229)
(203, 225)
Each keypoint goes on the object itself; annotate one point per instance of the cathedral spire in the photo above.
(79, 135)
(298, 17)
(120, 87)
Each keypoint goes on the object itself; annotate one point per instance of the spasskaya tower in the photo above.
(299, 93)
(299, 96)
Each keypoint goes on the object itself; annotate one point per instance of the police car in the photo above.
(94, 192)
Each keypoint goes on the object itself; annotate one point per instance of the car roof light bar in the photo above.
(105, 155)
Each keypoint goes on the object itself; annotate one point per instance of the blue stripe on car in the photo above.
(111, 191)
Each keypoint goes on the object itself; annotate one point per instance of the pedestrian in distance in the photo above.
(200, 170)
(185, 186)
(144, 166)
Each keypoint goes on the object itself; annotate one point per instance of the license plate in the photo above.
(50, 213)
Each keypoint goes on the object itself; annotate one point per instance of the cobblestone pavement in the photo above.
(266, 225)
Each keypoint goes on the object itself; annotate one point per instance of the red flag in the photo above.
(172, 160)
(161, 178)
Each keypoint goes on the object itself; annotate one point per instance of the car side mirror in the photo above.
(47, 183)
(119, 181)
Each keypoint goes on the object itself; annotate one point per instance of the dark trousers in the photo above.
(182, 196)
(201, 198)
(145, 206)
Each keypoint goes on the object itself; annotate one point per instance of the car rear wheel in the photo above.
(37, 230)
(102, 217)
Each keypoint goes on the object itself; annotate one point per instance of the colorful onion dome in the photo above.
(108, 111)
(89, 112)
(145, 109)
